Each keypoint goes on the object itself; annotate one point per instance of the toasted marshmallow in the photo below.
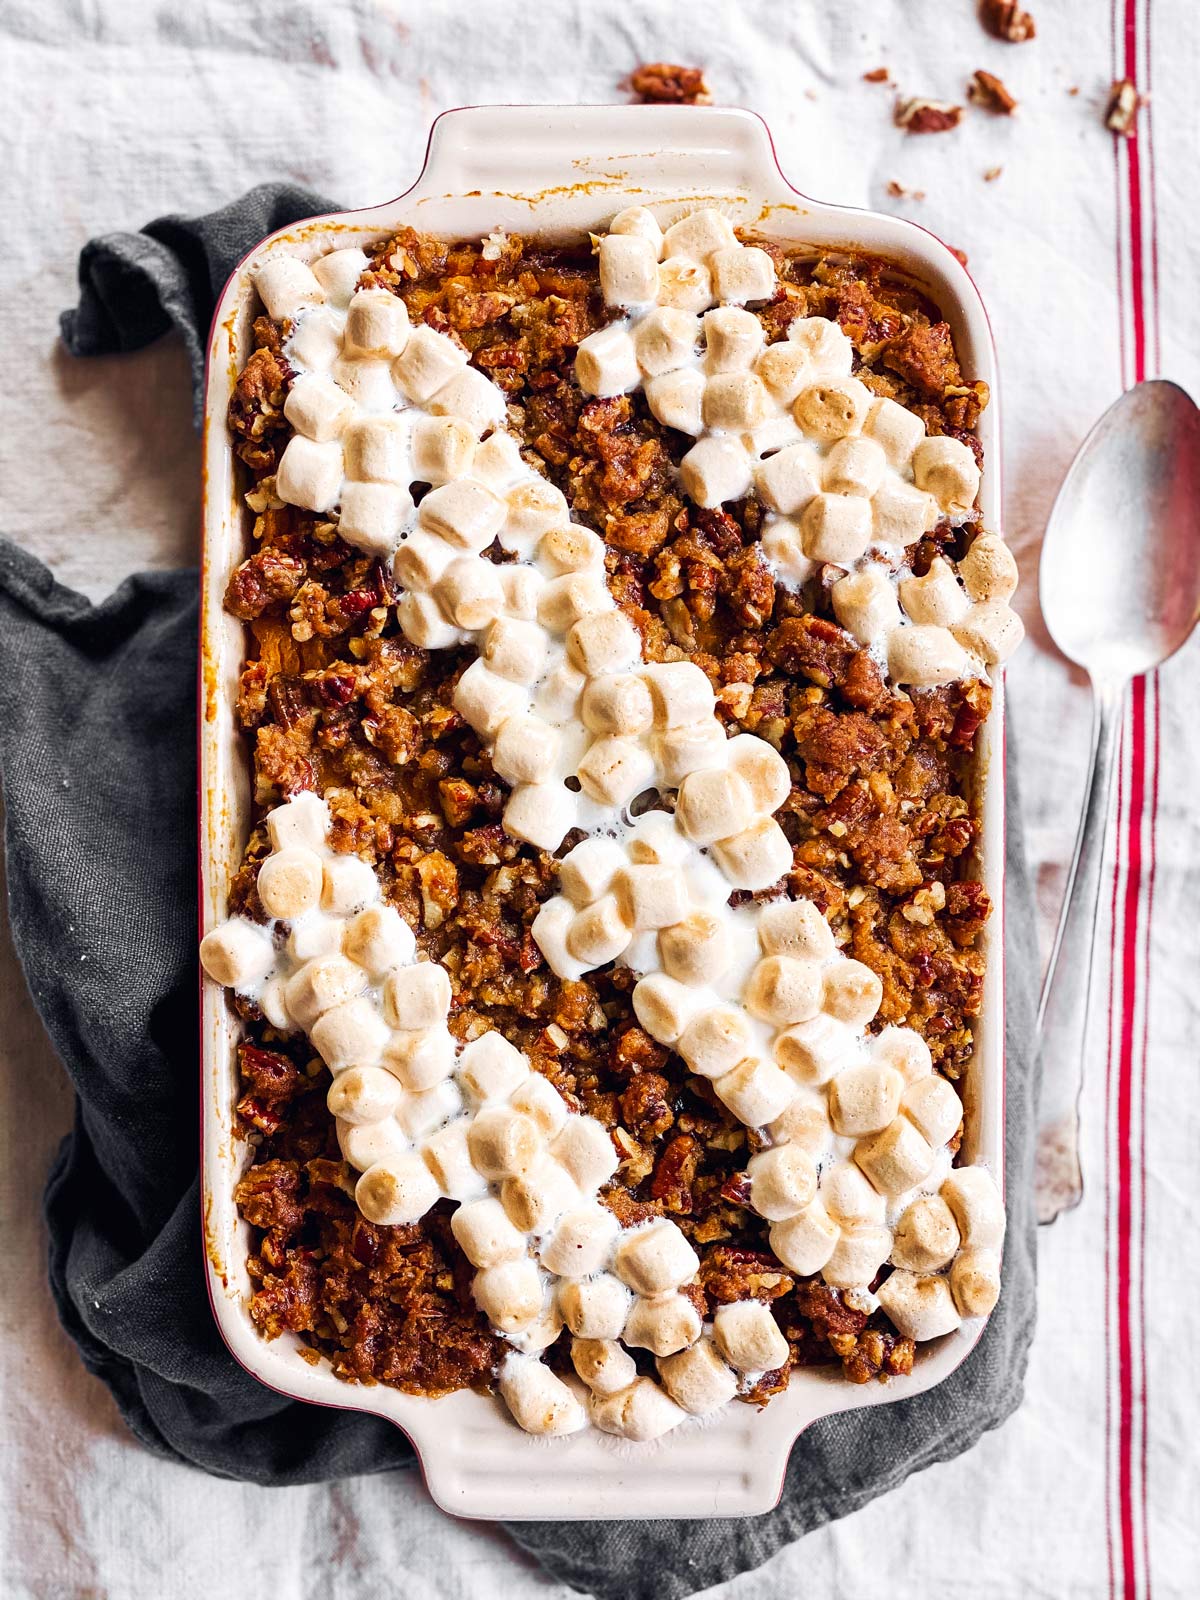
(896, 1159)
(472, 400)
(795, 928)
(676, 399)
(663, 1007)
(514, 649)
(697, 1379)
(395, 1192)
(572, 548)
(614, 771)
(285, 284)
(418, 996)
(900, 514)
(490, 1068)
(865, 604)
(698, 234)
(757, 857)
(895, 429)
(485, 1235)
(654, 840)
(322, 984)
(289, 883)
(469, 592)
(927, 1235)
(743, 275)
(595, 1308)
(640, 1413)
(696, 950)
(509, 1294)
(599, 932)
(424, 622)
(715, 471)
(828, 347)
(316, 346)
(377, 450)
(714, 805)
(367, 381)
(374, 515)
(734, 402)
(864, 1099)
(833, 408)
(854, 466)
(421, 1057)
(312, 937)
(849, 1198)
(650, 896)
(920, 1308)
(586, 1151)
(526, 750)
(852, 992)
(587, 871)
(805, 1123)
(364, 1145)
(617, 703)
(606, 362)
(603, 642)
(681, 693)
(350, 1035)
(539, 1100)
(423, 1111)
(655, 1259)
(485, 700)
(975, 1282)
(463, 513)
(503, 1143)
(783, 990)
(685, 284)
(813, 1051)
(522, 586)
(338, 274)
(935, 598)
(348, 884)
(550, 929)
(443, 448)
(428, 362)
(787, 370)
(946, 468)
(364, 1094)
(376, 324)
(540, 1403)
(805, 1242)
(317, 408)
(641, 222)
(535, 509)
(789, 479)
(733, 339)
(421, 559)
(992, 631)
(903, 1049)
(857, 1257)
(716, 1040)
(932, 1104)
(309, 474)
(988, 570)
(664, 1324)
(783, 1181)
(756, 1092)
(749, 1338)
(972, 1196)
(536, 1199)
(782, 550)
(302, 820)
(238, 954)
(581, 1243)
(498, 464)
(924, 656)
(541, 814)
(628, 269)
(836, 528)
(603, 1365)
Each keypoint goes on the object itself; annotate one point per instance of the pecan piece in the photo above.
(926, 116)
(1004, 19)
(1124, 102)
(662, 83)
(991, 93)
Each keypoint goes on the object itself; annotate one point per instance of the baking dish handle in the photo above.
(548, 150)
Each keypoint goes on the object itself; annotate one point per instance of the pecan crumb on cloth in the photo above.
(1124, 103)
(990, 92)
(1004, 19)
(663, 83)
(927, 116)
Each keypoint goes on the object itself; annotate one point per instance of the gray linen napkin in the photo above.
(97, 744)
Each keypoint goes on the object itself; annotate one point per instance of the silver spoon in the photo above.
(1120, 592)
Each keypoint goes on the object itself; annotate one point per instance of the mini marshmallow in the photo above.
(640, 1413)
(588, 871)
(733, 339)
(535, 1200)
(572, 548)
(734, 401)
(485, 1235)
(827, 346)
(377, 450)
(920, 1308)
(367, 382)
(655, 1259)
(628, 270)
(541, 814)
(697, 1379)
(663, 1325)
(849, 1198)
(685, 285)
(795, 928)
(782, 550)
(423, 1111)
(289, 883)
(273, 1005)
(854, 466)
(285, 284)
(903, 1049)
(542, 1332)
(783, 990)
(666, 340)
(946, 469)
(853, 992)
(836, 528)
(927, 1235)
(617, 703)
(651, 897)
(681, 751)
(442, 449)
(698, 234)
(395, 1192)
(421, 1057)
(421, 559)
(864, 1099)
(641, 222)
(716, 1040)
(896, 1159)
(603, 1365)
(309, 474)
(605, 641)
(895, 429)
(509, 1294)
(992, 631)
(581, 1243)
(498, 464)
(534, 508)
(485, 700)
(804, 1243)
(934, 1107)
(614, 770)
(567, 600)
(584, 1148)
(317, 408)
(338, 274)
(464, 513)
(857, 1257)
(322, 984)
(681, 693)
(595, 1308)
(376, 324)
(923, 656)
(526, 750)
(550, 929)
(472, 399)
(365, 1145)
(522, 585)
(514, 650)
(469, 592)
(302, 820)
(782, 1181)
(238, 954)
(599, 933)
(606, 362)
(364, 1094)
(676, 399)
(833, 409)
(714, 805)
(804, 1123)
(428, 362)
(490, 1068)
(756, 1092)
(757, 857)
(975, 1282)
(503, 1143)
(789, 479)
(538, 1099)
(715, 471)
(749, 1338)
(813, 1051)
(350, 1035)
(865, 604)
(316, 346)
(742, 273)
(696, 950)
(663, 1007)
(315, 936)
(348, 884)
(373, 516)
(421, 618)
(654, 840)
(900, 514)
(972, 1196)
(936, 598)
(988, 569)
(418, 996)
(787, 370)
(540, 1403)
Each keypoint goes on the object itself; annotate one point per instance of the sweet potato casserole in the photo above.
(619, 625)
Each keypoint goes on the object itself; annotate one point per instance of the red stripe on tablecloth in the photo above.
(1156, 748)
(1109, 1058)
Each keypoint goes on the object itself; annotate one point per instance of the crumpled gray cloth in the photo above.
(97, 758)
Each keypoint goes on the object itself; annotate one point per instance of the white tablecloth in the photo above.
(1084, 248)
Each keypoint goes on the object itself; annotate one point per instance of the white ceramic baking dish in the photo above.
(556, 172)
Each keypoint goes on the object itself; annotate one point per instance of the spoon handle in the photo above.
(1063, 1012)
